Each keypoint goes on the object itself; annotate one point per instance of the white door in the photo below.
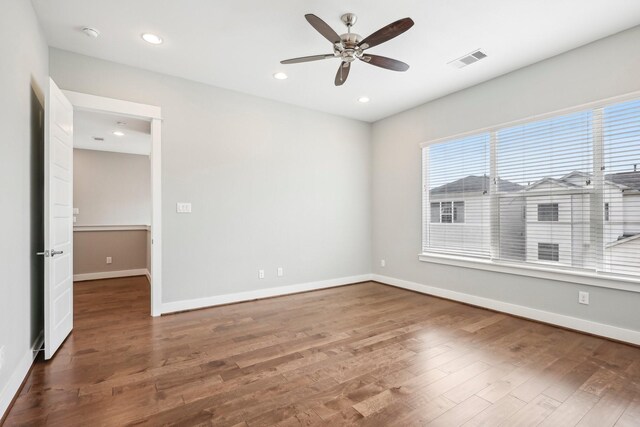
(58, 220)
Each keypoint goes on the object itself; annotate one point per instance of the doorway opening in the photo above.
(116, 184)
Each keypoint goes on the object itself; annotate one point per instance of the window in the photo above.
(515, 189)
(547, 212)
(446, 212)
(456, 196)
(458, 212)
(548, 252)
(441, 212)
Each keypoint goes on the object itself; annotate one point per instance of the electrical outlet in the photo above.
(383, 263)
(260, 274)
(76, 211)
(583, 298)
(109, 260)
(280, 271)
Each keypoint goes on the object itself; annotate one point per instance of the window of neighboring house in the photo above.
(435, 212)
(549, 252)
(446, 213)
(606, 211)
(458, 211)
(547, 212)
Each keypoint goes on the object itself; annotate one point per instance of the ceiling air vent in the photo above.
(469, 58)
(98, 138)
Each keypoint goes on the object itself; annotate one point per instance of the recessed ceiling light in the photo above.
(364, 99)
(280, 76)
(152, 38)
(91, 32)
(118, 133)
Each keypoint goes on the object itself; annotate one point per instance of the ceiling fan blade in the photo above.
(323, 28)
(307, 58)
(343, 73)
(384, 62)
(386, 33)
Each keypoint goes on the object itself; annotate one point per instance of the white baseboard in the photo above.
(601, 329)
(110, 274)
(19, 374)
(172, 307)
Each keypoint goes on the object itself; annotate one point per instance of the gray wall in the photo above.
(23, 81)
(599, 70)
(271, 185)
(111, 188)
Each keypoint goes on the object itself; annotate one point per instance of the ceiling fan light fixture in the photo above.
(152, 38)
(363, 99)
(280, 76)
(350, 46)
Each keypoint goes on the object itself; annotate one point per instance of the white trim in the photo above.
(84, 101)
(601, 280)
(172, 307)
(600, 329)
(19, 374)
(81, 228)
(110, 274)
(563, 111)
(155, 277)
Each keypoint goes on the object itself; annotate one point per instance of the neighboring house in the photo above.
(545, 222)
(459, 214)
(558, 226)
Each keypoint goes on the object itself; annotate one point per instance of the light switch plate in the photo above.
(109, 260)
(280, 271)
(76, 211)
(183, 207)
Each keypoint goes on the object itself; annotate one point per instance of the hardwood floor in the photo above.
(365, 354)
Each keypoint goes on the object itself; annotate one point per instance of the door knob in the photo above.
(54, 253)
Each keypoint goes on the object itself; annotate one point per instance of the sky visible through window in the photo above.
(550, 148)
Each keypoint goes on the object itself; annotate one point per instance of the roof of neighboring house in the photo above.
(624, 180)
(474, 184)
(628, 179)
(625, 238)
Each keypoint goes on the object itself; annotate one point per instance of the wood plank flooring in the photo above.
(365, 354)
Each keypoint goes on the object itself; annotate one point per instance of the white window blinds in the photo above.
(621, 188)
(457, 196)
(544, 171)
(563, 192)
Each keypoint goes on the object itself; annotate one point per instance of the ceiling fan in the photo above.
(350, 46)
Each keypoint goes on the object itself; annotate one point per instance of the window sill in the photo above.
(543, 272)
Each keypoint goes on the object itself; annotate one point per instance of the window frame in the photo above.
(554, 212)
(552, 248)
(550, 272)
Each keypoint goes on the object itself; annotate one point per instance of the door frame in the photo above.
(93, 103)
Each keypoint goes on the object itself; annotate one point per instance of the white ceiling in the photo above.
(238, 44)
(88, 125)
